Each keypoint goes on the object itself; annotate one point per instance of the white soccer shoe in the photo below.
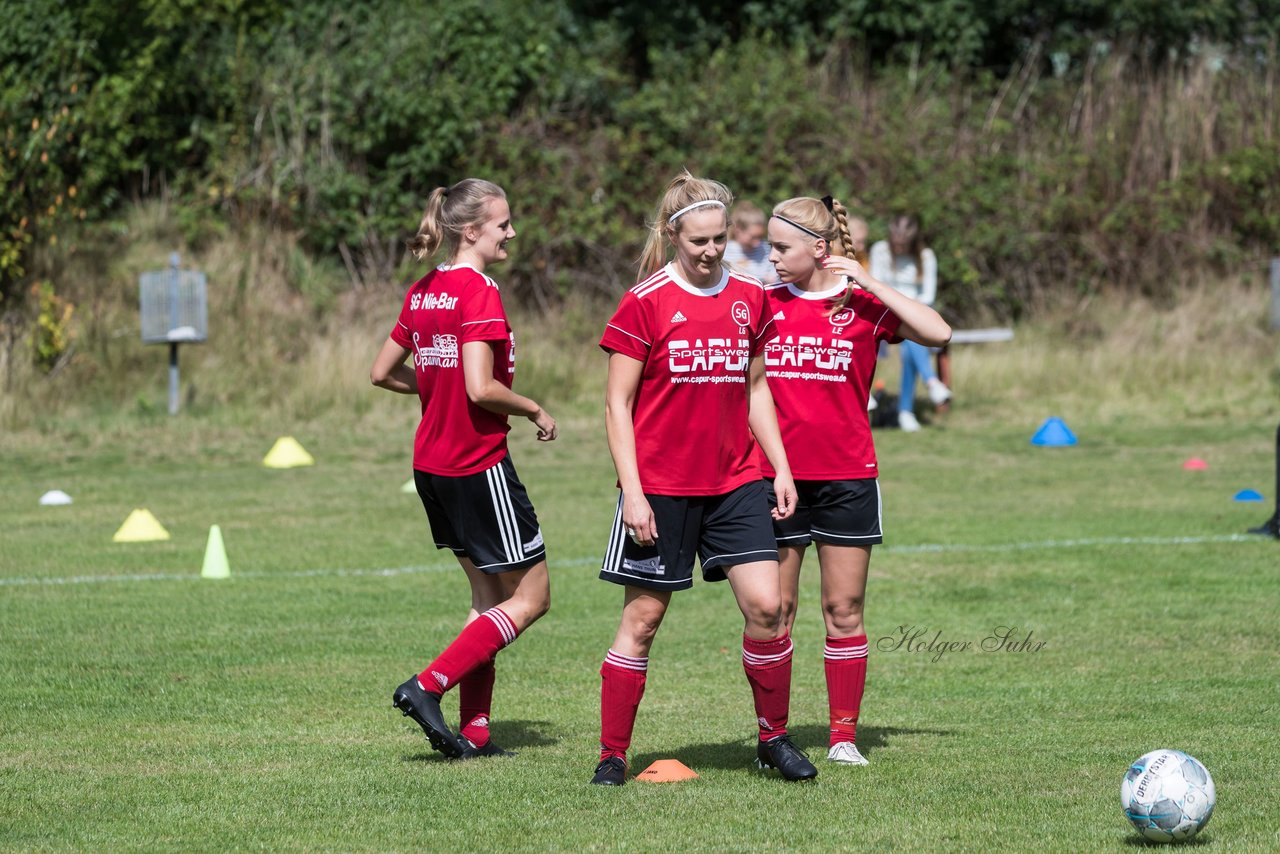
(907, 421)
(938, 392)
(846, 753)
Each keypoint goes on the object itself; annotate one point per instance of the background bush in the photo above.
(1051, 148)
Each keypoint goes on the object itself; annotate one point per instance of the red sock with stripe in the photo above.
(768, 667)
(845, 660)
(622, 681)
(476, 645)
(475, 699)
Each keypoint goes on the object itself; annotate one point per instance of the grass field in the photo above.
(144, 708)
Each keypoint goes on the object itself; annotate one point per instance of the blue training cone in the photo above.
(1054, 433)
(1248, 495)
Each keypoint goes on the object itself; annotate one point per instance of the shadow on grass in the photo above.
(740, 752)
(1135, 841)
(510, 735)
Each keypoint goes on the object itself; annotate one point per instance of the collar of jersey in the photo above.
(697, 291)
(444, 268)
(820, 295)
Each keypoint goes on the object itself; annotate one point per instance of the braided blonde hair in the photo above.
(831, 224)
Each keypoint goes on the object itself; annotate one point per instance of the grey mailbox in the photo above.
(175, 310)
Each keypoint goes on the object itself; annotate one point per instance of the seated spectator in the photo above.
(747, 251)
(904, 262)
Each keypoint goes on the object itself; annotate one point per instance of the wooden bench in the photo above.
(990, 335)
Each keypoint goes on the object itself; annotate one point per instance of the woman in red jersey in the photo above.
(830, 317)
(454, 326)
(686, 393)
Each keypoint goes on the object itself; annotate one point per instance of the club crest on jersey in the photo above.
(740, 313)
(843, 317)
(432, 301)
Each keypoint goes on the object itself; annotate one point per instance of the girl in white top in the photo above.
(909, 267)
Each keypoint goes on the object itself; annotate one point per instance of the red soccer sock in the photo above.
(622, 681)
(845, 660)
(768, 667)
(477, 644)
(475, 701)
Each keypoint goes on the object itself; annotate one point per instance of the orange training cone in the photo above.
(667, 771)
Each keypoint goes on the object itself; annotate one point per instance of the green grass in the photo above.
(143, 708)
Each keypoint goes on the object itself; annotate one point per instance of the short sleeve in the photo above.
(400, 332)
(884, 323)
(767, 329)
(483, 317)
(628, 331)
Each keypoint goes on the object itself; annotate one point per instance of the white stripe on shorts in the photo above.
(506, 628)
(613, 554)
(505, 513)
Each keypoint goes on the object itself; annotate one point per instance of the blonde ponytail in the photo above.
(683, 191)
(449, 212)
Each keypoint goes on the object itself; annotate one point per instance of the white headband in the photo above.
(684, 210)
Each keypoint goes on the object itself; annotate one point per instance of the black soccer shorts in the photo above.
(485, 517)
(721, 530)
(840, 512)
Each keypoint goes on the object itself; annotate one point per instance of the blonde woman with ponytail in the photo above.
(463, 362)
(831, 316)
(685, 403)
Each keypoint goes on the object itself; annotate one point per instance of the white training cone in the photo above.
(286, 453)
(409, 488)
(140, 527)
(54, 498)
(215, 556)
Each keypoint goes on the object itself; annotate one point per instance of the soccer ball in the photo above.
(1167, 795)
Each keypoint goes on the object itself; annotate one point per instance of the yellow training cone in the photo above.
(215, 556)
(140, 527)
(286, 453)
(409, 488)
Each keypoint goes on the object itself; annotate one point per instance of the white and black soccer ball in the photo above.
(1167, 795)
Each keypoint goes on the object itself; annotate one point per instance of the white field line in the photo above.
(923, 548)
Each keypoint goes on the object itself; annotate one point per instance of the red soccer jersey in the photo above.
(820, 369)
(442, 311)
(690, 411)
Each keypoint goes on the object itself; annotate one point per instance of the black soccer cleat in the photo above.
(610, 772)
(789, 760)
(471, 751)
(424, 708)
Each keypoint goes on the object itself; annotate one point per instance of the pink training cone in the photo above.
(1195, 464)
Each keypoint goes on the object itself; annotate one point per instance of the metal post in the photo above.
(1272, 525)
(173, 378)
(1275, 293)
(175, 316)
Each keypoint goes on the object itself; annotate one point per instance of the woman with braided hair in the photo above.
(831, 316)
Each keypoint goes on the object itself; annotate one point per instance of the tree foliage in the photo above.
(1006, 124)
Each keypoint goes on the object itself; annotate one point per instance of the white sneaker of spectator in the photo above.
(907, 421)
(938, 392)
